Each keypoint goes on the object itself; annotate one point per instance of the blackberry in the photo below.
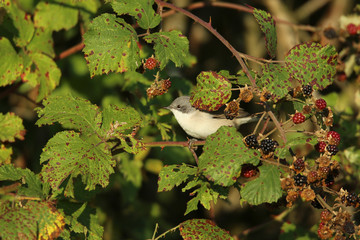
(300, 180)
(299, 165)
(320, 146)
(330, 33)
(268, 146)
(307, 90)
(332, 149)
(330, 180)
(351, 28)
(320, 104)
(315, 203)
(333, 137)
(251, 141)
(349, 227)
(326, 216)
(298, 118)
(351, 199)
(312, 176)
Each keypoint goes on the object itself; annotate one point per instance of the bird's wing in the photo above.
(242, 114)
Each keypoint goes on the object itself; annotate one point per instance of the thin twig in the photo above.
(173, 144)
(70, 51)
(170, 230)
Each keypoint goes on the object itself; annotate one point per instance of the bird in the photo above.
(200, 124)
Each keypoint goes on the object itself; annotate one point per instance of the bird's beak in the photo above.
(168, 108)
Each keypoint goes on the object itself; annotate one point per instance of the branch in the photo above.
(173, 144)
(70, 51)
(208, 26)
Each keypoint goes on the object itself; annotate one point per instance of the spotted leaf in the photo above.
(11, 127)
(293, 141)
(267, 26)
(11, 63)
(67, 156)
(111, 46)
(312, 63)
(224, 153)
(142, 10)
(174, 175)
(264, 189)
(211, 91)
(202, 229)
(170, 46)
(34, 220)
(276, 79)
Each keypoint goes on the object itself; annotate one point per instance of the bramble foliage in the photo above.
(101, 147)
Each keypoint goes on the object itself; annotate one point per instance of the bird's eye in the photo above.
(178, 106)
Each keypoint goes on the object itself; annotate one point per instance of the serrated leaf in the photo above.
(67, 156)
(32, 220)
(42, 42)
(174, 175)
(142, 10)
(11, 127)
(267, 26)
(116, 120)
(71, 112)
(169, 46)
(211, 91)
(312, 63)
(202, 229)
(32, 186)
(5, 154)
(41, 70)
(11, 64)
(224, 153)
(264, 189)
(276, 79)
(56, 15)
(293, 141)
(111, 46)
(22, 22)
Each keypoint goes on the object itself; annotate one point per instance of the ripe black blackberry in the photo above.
(300, 180)
(332, 149)
(268, 146)
(299, 165)
(351, 199)
(349, 227)
(330, 180)
(315, 203)
(307, 90)
(251, 141)
(330, 33)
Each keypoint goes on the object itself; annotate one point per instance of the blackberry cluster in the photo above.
(251, 141)
(307, 90)
(332, 149)
(351, 199)
(300, 180)
(268, 146)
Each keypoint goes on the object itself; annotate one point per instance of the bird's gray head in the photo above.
(181, 104)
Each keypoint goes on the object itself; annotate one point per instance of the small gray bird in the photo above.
(200, 124)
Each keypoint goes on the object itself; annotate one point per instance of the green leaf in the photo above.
(142, 10)
(31, 183)
(116, 120)
(67, 156)
(202, 229)
(174, 175)
(11, 64)
(65, 12)
(211, 91)
(276, 79)
(71, 112)
(290, 231)
(30, 220)
(111, 46)
(11, 127)
(170, 46)
(267, 26)
(264, 189)
(224, 153)
(42, 42)
(22, 22)
(311, 63)
(87, 11)
(293, 141)
(5, 154)
(41, 70)
(132, 171)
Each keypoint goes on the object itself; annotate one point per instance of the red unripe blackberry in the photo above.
(248, 170)
(332, 149)
(312, 176)
(320, 104)
(298, 118)
(307, 90)
(341, 77)
(299, 165)
(326, 216)
(166, 83)
(333, 137)
(251, 141)
(268, 146)
(151, 63)
(351, 28)
(320, 146)
(323, 172)
(300, 180)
